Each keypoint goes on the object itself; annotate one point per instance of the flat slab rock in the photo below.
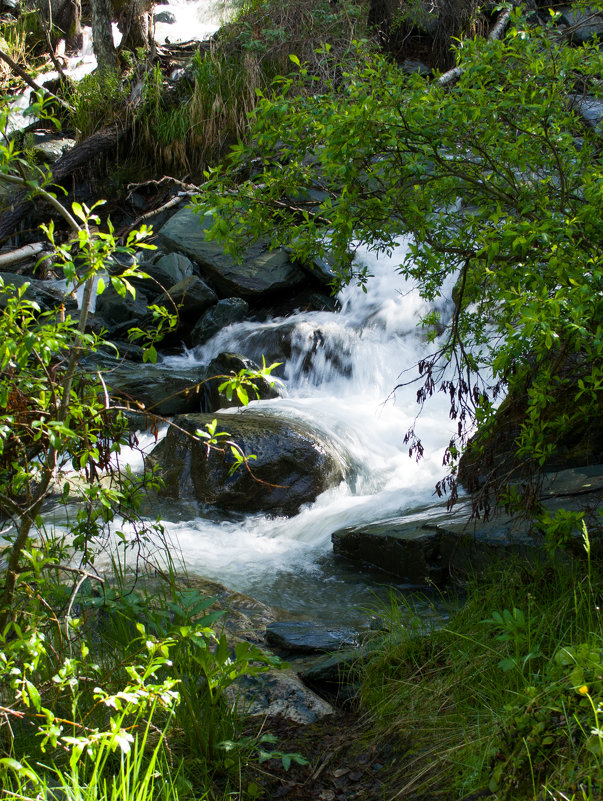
(261, 270)
(432, 544)
(309, 637)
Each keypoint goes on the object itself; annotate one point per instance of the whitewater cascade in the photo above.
(343, 389)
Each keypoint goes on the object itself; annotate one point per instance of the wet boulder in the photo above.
(156, 388)
(116, 314)
(583, 24)
(41, 292)
(168, 268)
(299, 345)
(261, 271)
(309, 637)
(293, 463)
(226, 312)
(224, 366)
(191, 296)
(278, 694)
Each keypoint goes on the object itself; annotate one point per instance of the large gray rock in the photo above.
(429, 548)
(117, 314)
(190, 295)
(309, 637)
(260, 272)
(589, 108)
(277, 694)
(167, 391)
(171, 266)
(50, 148)
(224, 366)
(583, 23)
(47, 297)
(297, 344)
(225, 312)
(158, 389)
(434, 545)
(293, 464)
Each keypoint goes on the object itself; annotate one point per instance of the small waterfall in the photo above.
(339, 379)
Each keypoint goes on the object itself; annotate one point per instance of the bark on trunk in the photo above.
(102, 35)
(136, 24)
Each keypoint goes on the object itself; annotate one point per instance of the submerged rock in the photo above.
(293, 464)
(261, 270)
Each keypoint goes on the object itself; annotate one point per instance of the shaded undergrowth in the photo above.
(505, 701)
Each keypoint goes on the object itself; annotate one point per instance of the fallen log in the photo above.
(81, 155)
(9, 259)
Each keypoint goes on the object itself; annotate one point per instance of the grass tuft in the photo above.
(506, 700)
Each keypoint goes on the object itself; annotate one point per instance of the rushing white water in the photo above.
(339, 378)
(342, 387)
(198, 19)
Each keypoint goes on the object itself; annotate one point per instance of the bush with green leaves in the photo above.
(96, 716)
(497, 180)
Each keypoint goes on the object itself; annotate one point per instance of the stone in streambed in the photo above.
(168, 268)
(191, 296)
(309, 637)
(293, 463)
(404, 548)
(261, 270)
(434, 545)
(225, 365)
(226, 312)
(41, 292)
(159, 389)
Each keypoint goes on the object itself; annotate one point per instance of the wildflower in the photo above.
(583, 690)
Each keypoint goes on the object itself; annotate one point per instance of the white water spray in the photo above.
(340, 382)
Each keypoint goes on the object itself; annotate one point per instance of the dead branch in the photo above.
(496, 33)
(30, 82)
(13, 257)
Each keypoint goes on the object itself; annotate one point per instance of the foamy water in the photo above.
(348, 401)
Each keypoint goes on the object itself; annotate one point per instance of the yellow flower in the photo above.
(583, 690)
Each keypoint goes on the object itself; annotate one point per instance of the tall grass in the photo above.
(191, 129)
(13, 41)
(506, 699)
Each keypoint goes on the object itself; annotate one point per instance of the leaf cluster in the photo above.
(497, 182)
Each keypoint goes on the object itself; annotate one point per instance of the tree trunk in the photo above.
(63, 16)
(80, 156)
(136, 24)
(102, 36)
